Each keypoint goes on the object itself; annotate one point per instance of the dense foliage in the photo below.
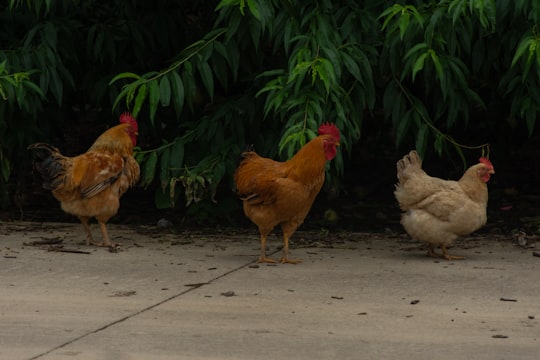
(208, 78)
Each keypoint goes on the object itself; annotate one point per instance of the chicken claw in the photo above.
(448, 256)
(264, 259)
(285, 260)
(431, 252)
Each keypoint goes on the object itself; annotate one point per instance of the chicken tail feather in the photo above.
(47, 162)
(408, 162)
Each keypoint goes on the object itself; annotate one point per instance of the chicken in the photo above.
(282, 193)
(91, 184)
(439, 211)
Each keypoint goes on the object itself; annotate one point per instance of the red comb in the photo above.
(329, 129)
(485, 161)
(126, 118)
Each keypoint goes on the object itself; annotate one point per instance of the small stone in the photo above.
(164, 223)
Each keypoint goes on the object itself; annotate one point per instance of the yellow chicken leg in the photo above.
(448, 256)
(106, 241)
(89, 237)
(84, 222)
(431, 252)
(285, 257)
(262, 257)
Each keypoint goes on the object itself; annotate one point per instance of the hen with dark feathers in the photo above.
(91, 184)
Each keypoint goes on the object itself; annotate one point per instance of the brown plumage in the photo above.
(282, 193)
(91, 184)
(438, 211)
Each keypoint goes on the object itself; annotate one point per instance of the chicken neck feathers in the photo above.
(114, 140)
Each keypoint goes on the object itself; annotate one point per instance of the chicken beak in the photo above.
(492, 171)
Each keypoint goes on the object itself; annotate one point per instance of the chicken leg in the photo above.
(106, 241)
(285, 256)
(89, 238)
(262, 257)
(431, 252)
(86, 226)
(448, 256)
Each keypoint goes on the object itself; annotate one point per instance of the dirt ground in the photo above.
(169, 293)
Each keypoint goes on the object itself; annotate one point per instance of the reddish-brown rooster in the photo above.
(282, 193)
(438, 211)
(91, 184)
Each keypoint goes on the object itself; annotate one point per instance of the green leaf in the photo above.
(330, 73)
(139, 100)
(164, 167)
(123, 94)
(299, 71)
(417, 16)
(418, 65)
(404, 21)
(177, 92)
(226, 3)
(421, 138)
(165, 91)
(124, 75)
(457, 8)
(162, 198)
(34, 88)
(149, 169)
(403, 127)
(523, 46)
(3, 94)
(207, 78)
(351, 66)
(153, 95)
(414, 49)
(188, 80)
(389, 13)
(437, 63)
(252, 6)
(456, 67)
(139, 156)
(177, 157)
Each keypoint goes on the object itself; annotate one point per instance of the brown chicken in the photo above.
(281, 193)
(439, 211)
(91, 184)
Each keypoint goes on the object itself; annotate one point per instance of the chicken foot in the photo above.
(431, 252)
(84, 222)
(262, 257)
(285, 256)
(89, 238)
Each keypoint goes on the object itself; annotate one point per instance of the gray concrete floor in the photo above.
(201, 296)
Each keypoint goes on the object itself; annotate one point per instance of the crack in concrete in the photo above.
(148, 308)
